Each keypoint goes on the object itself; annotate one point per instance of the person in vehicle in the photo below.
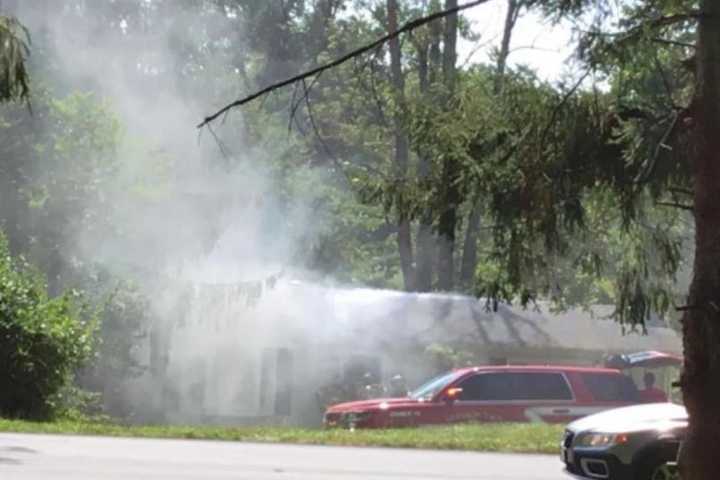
(651, 394)
(370, 387)
(398, 388)
(333, 393)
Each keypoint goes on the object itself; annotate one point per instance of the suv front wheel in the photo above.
(658, 467)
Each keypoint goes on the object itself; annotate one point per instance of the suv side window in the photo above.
(515, 386)
(611, 387)
(542, 386)
(487, 386)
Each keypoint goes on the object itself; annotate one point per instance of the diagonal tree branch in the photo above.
(408, 27)
(675, 43)
(681, 206)
(556, 111)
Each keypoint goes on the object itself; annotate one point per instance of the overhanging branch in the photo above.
(408, 27)
(681, 206)
(563, 101)
(675, 43)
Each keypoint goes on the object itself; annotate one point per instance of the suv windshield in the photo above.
(429, 389)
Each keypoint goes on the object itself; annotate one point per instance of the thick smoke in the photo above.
(204, 210)
(238, 333)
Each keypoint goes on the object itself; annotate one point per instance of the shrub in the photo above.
(123, 319)
(43, 340)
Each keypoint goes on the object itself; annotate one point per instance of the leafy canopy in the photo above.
(14, 49)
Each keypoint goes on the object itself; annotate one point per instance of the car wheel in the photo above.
(658, 469)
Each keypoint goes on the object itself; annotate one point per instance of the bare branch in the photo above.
(666, 81)
(685, 191)
(652, 23)
(293, 108)
(561, 104)
(408, 27)
(294, 105)
(681, 206)
(316, 130)
(675, 43)
(648, 170)
(223, 148)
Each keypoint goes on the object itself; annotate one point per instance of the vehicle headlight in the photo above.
(357, 417)
(602, 439)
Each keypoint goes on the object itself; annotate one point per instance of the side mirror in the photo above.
(452, 394)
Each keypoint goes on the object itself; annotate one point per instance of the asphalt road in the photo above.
(46, 457)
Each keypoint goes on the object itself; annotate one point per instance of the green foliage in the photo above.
(43, 340)
(354, 242)
(445, 358)
(75, 403)
(124, 318)
(570, 181)
(14, 49)
(59, 165)
(123, 314)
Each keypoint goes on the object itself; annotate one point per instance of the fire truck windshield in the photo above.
(431, 388)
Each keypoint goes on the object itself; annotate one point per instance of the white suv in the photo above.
(630, 443)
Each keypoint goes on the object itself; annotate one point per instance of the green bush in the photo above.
(43, 340)
(123, 313)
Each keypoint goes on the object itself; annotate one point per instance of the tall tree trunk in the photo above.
(469, 258)
(450, 47)
(429, 58)
(701, 322)
(404, 235)
(511, 17)
(447, 223)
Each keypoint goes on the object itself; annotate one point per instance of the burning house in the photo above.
(264, 353)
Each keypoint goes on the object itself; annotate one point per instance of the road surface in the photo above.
(43, 457)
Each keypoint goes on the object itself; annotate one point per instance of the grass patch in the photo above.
(518, 438)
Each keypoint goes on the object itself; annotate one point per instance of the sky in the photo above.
(536, 42)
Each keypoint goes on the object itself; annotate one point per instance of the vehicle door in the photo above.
(609, 390)
(513, 397)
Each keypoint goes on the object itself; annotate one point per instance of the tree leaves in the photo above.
(14, 50)
(43, 339)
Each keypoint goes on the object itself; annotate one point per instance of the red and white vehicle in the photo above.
(554, 394)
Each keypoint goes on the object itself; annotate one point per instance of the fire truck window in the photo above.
(515, 386)
(541, 386)
(611, 388)
(487, 387)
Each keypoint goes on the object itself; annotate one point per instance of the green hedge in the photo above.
(43, 340)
